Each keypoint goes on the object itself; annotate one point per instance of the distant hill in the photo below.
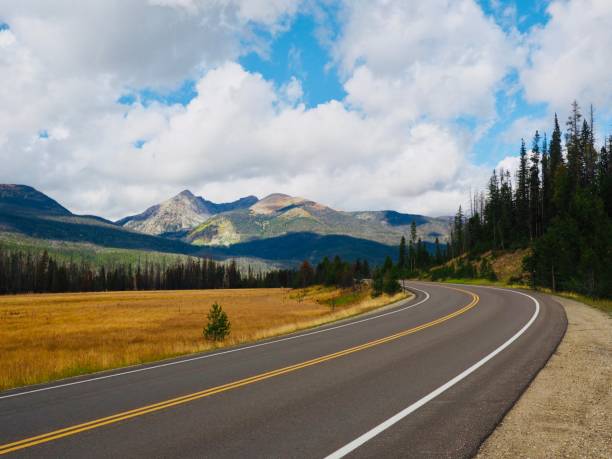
(179, 213)
(292, 248)
(98, 255)
(24, 199)
(24, 210)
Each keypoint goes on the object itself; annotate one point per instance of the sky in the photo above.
(110, 107)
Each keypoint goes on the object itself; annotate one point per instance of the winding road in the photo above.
(429, 377)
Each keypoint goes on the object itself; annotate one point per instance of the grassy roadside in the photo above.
(603, 304)
(53, 336)
(508, 268)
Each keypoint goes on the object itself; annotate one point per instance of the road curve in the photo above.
(430, 377)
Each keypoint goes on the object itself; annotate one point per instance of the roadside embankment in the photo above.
(567, 410)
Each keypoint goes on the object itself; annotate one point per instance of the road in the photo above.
(429, 377)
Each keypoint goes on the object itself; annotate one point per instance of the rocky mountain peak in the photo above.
(185, 194)
(182, 212)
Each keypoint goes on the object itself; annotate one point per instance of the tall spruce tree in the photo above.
(522, 194)
(412, 246)
(493, 211)
(587, 139)
(545, 200)
(458, 234)
(574, 146)
(401, 260)
(534, 188)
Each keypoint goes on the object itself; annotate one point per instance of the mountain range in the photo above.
(201, 222)
(278, 227)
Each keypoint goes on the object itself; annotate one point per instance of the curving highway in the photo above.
(430, 377)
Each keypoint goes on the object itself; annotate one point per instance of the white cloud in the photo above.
(510, 164)
(571, 54)
(156, 43)
(436, 58)
(524, 128)
(389, 145)
(236, 132)
(293, 90)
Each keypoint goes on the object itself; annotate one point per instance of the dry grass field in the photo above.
(51, 336)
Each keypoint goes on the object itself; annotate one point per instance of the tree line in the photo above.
(414, 256)
(30, 272)
(559, 205)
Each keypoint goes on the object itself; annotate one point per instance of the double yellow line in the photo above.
(73, 430)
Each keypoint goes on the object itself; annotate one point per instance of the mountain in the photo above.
(26, 211)
(279, 214)
(180, 213)
(282, 228)
(27, 200)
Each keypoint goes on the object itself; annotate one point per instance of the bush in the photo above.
(218, 326)
(486, 270)
(391, 285)
(443, 272)
(377, 283)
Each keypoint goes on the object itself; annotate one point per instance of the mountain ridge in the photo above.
(279, 214)
(278, 227)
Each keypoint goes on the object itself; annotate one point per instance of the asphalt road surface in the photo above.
(429, 377)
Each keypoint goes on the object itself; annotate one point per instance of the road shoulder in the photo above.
(567, 409)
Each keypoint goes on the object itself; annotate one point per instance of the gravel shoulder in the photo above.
(567, 409)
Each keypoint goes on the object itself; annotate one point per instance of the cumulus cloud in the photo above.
(525, 127)
(437, 58)
(237, 131)
(391, 144)
(156, 43)
(570, 55)
(510, 164)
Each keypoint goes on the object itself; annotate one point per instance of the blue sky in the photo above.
(299, 52)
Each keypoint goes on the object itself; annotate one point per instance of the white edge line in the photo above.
(418, 404)
(206, 356)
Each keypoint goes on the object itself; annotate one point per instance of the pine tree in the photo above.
(458, 234)
(412, 246)
(493, 211)
(574, 145)
(545, 200)
(534, 188)
(507, 209)
(556, 152)
(522, 194)
(401, 261)
(587, 139)
(218, 326)
(388, 265)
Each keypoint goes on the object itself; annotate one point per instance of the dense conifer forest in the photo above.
(559, 205)
(25, 272)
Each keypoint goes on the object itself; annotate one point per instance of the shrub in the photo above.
(377, 283)
(486, 270)
(391, 285)
(218, 326)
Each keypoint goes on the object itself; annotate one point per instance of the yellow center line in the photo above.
(72, 430)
